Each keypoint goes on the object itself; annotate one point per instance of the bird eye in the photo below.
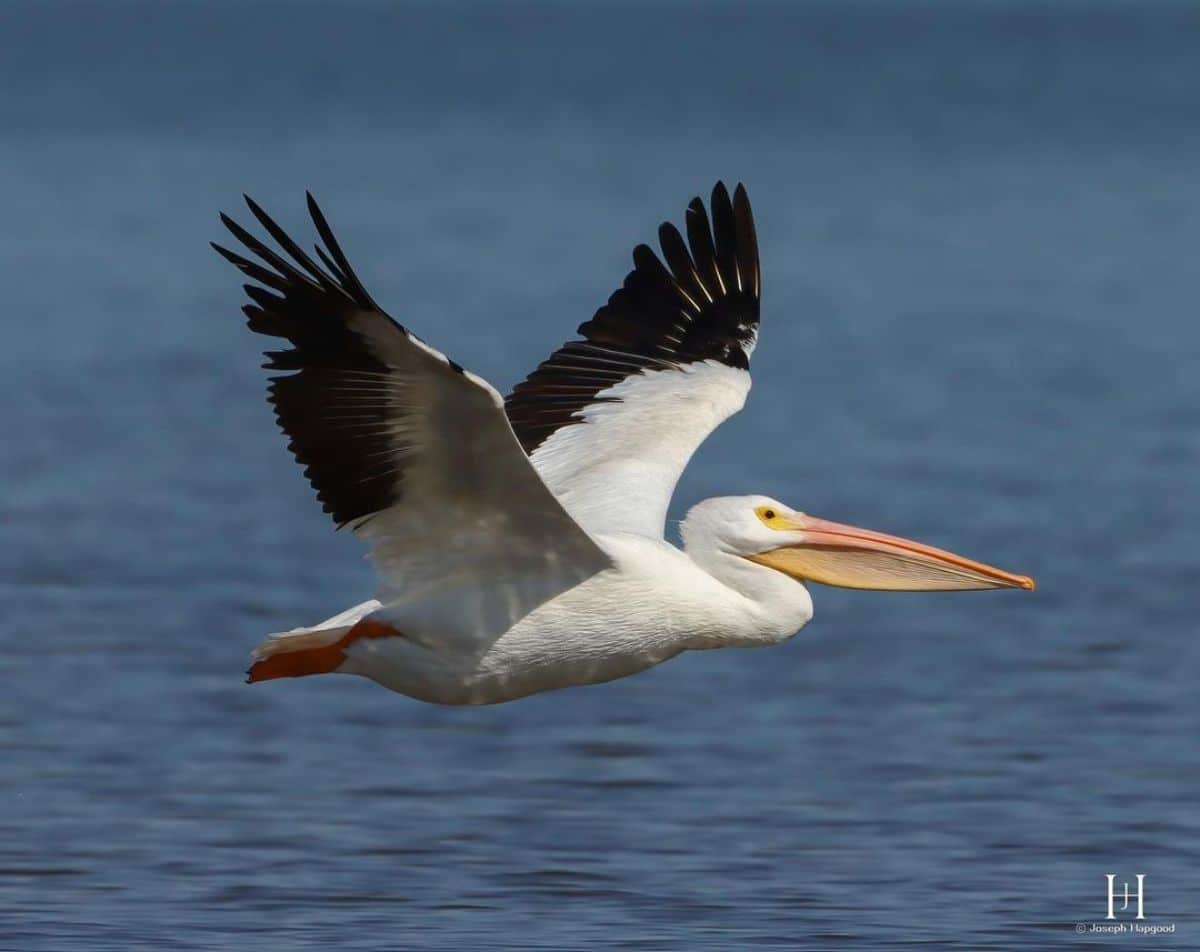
(770, 517)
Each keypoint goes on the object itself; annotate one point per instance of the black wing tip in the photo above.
(720, 187)
(741, 201)
(314, 210)
(241, 234)
(294, 268)
(322, 365)
(315, 213)
(740, 197)
(668, 233)
(257, 211)
(721, 235)
(692, 304)
(719, 194)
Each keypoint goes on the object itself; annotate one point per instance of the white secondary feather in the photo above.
(616, 470)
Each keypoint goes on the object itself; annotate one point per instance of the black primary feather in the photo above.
(702, 305)
(332, 402)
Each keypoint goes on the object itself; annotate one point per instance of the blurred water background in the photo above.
(980, 225)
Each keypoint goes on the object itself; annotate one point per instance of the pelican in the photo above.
(519, 542)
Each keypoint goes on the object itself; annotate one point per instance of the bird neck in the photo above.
(776, 606)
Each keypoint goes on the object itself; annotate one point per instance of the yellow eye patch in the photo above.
(771, 517)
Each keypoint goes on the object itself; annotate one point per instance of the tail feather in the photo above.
(311, 651)
(294, 656)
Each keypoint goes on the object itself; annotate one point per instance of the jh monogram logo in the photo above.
(1123, 895)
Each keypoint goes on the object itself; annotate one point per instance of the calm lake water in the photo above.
(980, 227)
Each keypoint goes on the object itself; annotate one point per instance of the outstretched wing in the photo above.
(611, 420)
(412, 452)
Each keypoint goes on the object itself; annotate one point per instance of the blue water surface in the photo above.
(980, 227)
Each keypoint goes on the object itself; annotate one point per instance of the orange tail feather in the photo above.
(308, 655)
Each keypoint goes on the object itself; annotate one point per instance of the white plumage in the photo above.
(519, 543)
(618, 471)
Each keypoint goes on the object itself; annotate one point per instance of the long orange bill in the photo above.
(849, 557)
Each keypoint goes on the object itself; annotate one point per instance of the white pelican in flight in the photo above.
(519, 542)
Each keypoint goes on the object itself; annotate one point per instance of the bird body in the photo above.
(654, 602)
(519, 542)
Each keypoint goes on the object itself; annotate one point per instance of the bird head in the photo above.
(809, 549)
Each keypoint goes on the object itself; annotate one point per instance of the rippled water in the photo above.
(979, 226)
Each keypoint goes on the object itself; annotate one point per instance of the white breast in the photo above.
(654, 603)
